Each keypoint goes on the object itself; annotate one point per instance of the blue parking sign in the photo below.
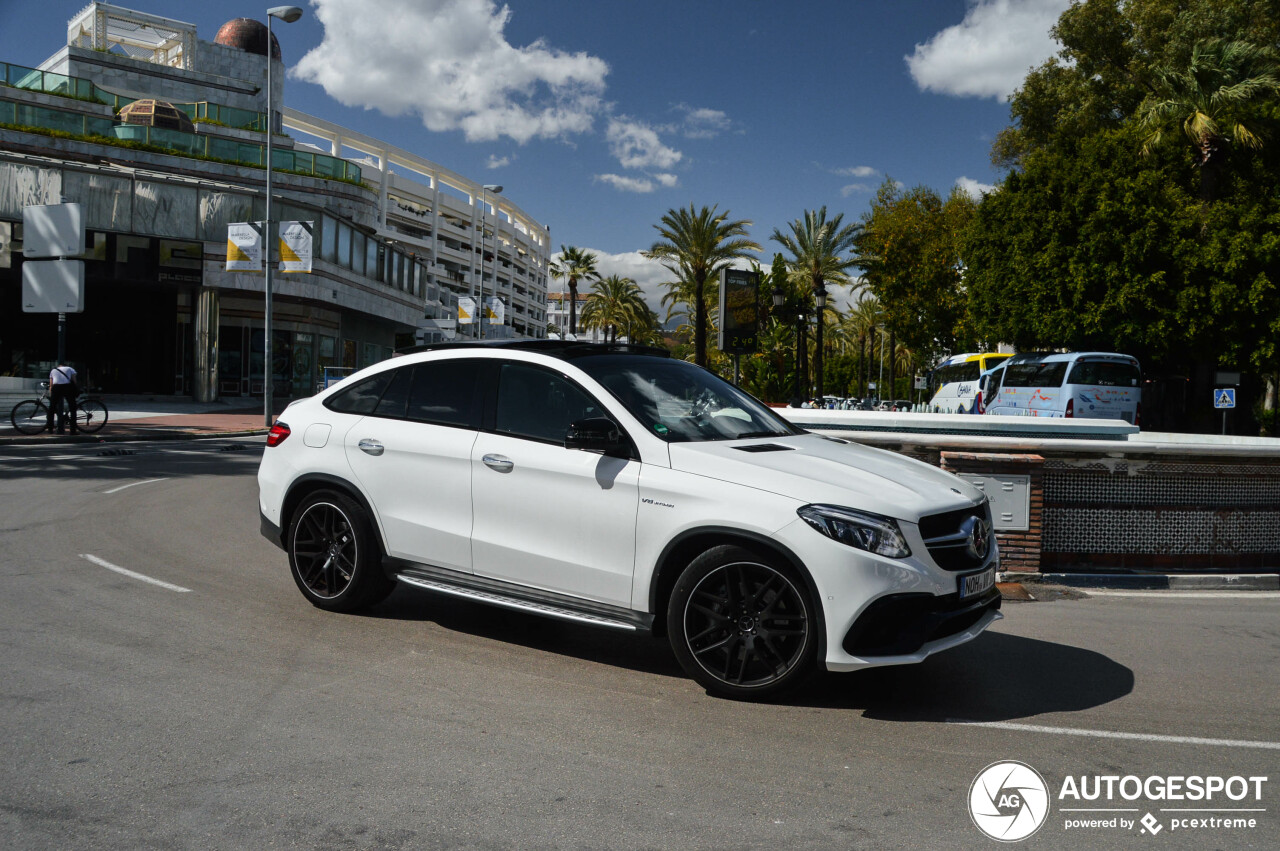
(1224, 397)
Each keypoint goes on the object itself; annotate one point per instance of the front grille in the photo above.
(945, 538)
(903, 623)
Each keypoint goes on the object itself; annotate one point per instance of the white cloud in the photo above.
(626, 184)
(846, 191)
(855, 171)
(448, 62)
(667, 180)
(636, 145)
(701, 122)
(497, 162)
(975, 189)
(989, 53)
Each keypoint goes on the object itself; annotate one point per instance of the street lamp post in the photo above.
(495, 189)
(819, 299)
(779, 300)
(288, 14)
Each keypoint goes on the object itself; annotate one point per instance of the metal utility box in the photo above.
(1010, 497)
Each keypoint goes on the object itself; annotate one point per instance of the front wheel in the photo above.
(742, 625)
(91, 416)
(29, 417)
(334, 554)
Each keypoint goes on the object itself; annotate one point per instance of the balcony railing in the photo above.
(176, 141)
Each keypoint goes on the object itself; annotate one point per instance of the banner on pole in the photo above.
(295, 246)
(495, 311)
(466, 310)
(244, 247)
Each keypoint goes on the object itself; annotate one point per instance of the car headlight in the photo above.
(870, 532)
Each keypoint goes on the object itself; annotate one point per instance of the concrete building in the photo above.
(398, 239)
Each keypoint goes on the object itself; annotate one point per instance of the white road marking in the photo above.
(1111, 734)
(1242, 594)
(132, 484)
(129, 573)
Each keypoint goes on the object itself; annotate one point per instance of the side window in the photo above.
(396, 397)
(539, 404)
(362, 397)
(446, 392)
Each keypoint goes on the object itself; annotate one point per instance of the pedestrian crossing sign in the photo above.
(1224, 397)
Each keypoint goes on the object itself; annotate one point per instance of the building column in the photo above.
(204, 386)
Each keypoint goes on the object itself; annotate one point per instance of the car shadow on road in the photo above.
(996, 677)
(625, 650)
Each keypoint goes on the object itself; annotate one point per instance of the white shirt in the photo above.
(62, 375)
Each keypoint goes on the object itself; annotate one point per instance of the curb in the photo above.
(1154, 581)
(125, 438)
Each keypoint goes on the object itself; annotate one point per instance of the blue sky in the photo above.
(600, 115)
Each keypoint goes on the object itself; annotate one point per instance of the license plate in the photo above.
(976, 584)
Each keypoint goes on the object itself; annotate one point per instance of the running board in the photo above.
(473, 589)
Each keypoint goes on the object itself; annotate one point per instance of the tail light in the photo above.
(978, 407)
(1071, 408)
(278, 433)
(1137, 415)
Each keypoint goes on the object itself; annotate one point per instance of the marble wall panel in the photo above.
(106, 198)
(219, 209)
(26, 186)
(161, 210)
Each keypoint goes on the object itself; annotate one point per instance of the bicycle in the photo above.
(31, 416)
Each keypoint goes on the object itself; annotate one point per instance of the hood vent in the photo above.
(764, 447)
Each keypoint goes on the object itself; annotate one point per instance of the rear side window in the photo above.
(362, 397)
(1033, 374)
(1105, 374)
(446, 392)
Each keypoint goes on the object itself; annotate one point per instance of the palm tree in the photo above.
(695, 246)
(616, 303)
(864, 319)
(1217, 101)
(575, 264)
(816, 246)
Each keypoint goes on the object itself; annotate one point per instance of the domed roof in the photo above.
(248, 35)
(156, 113)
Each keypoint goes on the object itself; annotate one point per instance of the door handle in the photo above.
(370, 447)
(499, 463)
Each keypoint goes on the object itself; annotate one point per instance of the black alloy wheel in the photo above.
(333, 554)
(741, 625)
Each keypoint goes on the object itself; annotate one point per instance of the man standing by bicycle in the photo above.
(63, 388)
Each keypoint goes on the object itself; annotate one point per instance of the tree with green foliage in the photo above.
(616, 305)
(575, 264)
(910, 250)
(1222, 98)
(695, 246)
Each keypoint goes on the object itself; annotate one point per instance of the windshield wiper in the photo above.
(750, 434)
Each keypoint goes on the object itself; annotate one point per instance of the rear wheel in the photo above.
(91, 416)
(29, 417)
(741, 624)
(334, 554)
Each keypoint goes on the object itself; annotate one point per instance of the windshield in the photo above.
(681, 402)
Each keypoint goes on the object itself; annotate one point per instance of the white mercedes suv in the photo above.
(615, 486)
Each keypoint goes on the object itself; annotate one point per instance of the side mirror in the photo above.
(595, 434)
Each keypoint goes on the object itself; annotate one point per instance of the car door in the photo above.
(412, 457)
(547, 517)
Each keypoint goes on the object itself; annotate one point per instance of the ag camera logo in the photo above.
(1008, 801)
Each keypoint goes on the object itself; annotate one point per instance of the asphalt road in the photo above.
(233, 714)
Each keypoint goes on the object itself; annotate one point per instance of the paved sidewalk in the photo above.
(151, 419)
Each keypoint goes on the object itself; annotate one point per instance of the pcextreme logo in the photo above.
(1008, 801)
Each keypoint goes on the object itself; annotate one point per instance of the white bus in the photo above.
(1099, 385)
(954, 382)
